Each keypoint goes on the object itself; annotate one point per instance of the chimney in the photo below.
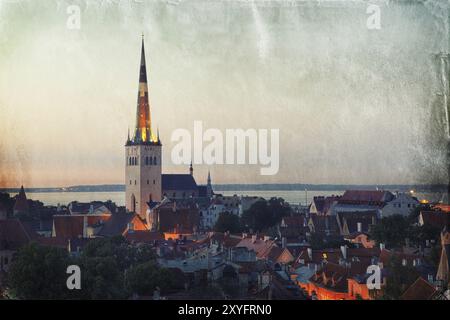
(244, 235)
(254, 238)
(404, 262)
(382, 247)
(309, 250)
(344, 252)
(359, 225)
(91, 208)
(130, 227)
(266, 238)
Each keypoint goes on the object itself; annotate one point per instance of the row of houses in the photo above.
(384, 203)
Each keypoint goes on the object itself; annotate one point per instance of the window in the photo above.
(154, 182)
(148, 181)
(130, 181)
(134, 182)
(154, 160)
(151, 160)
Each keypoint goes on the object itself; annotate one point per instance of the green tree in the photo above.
(38, 273)
(101, 278)
(144, 278)
(125, 254)
(420, 234)
(265, 214)
(227, 222)
(391, 231)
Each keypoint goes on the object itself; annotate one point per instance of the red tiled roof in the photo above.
(438, 219)
(443, 207)
(72, 226)
(294, 221)
(419, 290)
(365, 196)
(258, 245)
(181, 220)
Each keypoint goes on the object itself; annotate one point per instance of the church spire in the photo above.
(143, 132)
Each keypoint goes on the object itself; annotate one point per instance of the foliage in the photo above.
(124, 254)
(38, 273)
(419, 234)
(264, 214)
(391, 231)
(227, 222)
(144, 278)
(111, 268)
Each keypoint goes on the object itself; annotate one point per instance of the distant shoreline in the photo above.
(250, 187)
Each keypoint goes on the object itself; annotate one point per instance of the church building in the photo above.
(144, 181)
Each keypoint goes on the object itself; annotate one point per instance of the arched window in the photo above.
(154, 160)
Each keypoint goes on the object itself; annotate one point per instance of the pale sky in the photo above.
(352, 104)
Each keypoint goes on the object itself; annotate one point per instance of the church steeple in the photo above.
(143, 132)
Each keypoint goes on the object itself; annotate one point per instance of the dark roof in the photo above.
(13, 234)
(116, 225)
(202, 191)
(352, 219)
(323, 224)
(178, 182)
(21, 204)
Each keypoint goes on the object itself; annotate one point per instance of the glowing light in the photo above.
(424, 201)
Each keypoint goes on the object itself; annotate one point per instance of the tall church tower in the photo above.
(142, 153)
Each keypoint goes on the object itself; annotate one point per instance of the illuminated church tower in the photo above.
(143, 154)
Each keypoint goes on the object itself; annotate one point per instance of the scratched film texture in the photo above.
(353, 105)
